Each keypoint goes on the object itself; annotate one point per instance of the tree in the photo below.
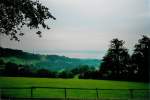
(15, 14)
(11, 69)
(24, 70)
(114, 65)
(43, 73)
(2, 62)
(65, 74)
(2, 67)
(141, 59)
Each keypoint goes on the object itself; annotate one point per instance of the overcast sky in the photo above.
(84, 28)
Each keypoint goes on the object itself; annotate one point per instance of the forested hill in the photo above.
(52, 62)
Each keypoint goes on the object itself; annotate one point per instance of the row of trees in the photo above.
(119, 65)
(12, 69)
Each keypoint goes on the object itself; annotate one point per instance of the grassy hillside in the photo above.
(52, 62)
(71, 83)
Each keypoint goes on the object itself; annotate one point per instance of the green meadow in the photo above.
(70, 83)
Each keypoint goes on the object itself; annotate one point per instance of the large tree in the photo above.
(115, 62)
(141, 59)
(15, 14)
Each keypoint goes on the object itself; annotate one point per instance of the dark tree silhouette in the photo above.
(2, 66)
(1, 62)
(141, 59)
(43, 73)
(24, 70)
(11, 69)
(15, 14)
(114, 65)
(65, 74)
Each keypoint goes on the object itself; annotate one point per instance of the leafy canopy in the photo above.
(15, 14)
(141, 58)
(115, 61)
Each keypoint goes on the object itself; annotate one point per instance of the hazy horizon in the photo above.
(84, 28)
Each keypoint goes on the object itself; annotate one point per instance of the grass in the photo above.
(71, 83)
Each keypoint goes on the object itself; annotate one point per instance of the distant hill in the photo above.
(51, 62)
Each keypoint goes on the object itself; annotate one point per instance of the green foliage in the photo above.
(43, 73)
(12, 69)
(117, 63)
(85, 72)
(5, 52)
(19, 63)
(116, 60)
(65, 74)
(15, 14)
(50, 62)
(141, 59)
(81, 69)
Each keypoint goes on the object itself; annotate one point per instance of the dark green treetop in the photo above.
(15, 14)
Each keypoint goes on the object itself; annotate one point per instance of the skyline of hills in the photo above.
(51, 62)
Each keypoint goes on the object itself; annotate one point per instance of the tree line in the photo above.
(19, 70)
(117, 64)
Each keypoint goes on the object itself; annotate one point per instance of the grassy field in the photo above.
(70, 83)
